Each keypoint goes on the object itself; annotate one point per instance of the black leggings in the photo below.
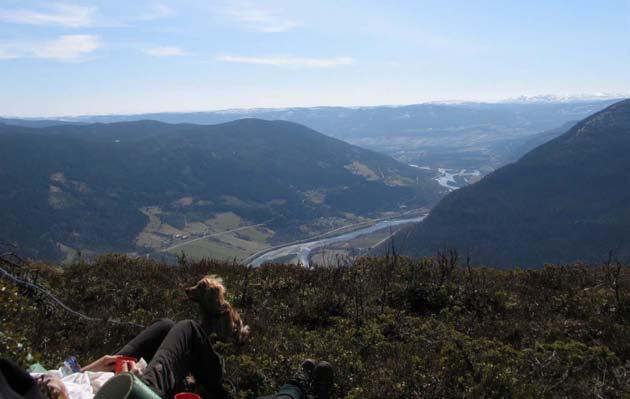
(145, 344)
(173, 350)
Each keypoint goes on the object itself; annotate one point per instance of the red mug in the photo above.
(187, 395)
(120, 360)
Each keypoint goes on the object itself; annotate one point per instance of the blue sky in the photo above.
(102, 57)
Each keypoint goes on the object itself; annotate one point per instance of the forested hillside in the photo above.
(564, 201)
(96, 187)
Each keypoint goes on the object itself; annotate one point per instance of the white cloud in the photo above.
(59, 14)
(157, 11)
(6, 52)
(258, 19)
(289, 61)
(64, 48)
(77, 16)
(67, 47)
(165, 51)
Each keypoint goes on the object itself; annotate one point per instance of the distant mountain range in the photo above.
(88, 186)
(555, 98)
(453, 136)
(566, 200)
(28, 122)
(393, 121)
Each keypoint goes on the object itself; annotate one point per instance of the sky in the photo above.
(122, 56)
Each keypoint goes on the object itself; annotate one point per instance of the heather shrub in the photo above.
(392, 326)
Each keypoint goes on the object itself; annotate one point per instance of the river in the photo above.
(303, 250)
(446, 177)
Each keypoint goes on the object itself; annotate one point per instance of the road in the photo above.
(181, 244)
(303, 249)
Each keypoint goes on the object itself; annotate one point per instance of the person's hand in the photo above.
(131, 367)
(105, 363)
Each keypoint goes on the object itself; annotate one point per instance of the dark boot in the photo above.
(303, 377)
(323, 380)
(299, 384)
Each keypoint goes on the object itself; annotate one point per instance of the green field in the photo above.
(237, 245)
(257, 234)
(208, 248)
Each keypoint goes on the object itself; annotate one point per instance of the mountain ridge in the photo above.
(89, 186)
(468, 135)
(347, 122)
(564, 201)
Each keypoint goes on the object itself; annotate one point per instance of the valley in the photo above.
(340, 247)
(564, 201)
(224, 236)
(208, 191)
(252, 186)
(227, 236)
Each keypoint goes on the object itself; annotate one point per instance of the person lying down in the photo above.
(172, 351)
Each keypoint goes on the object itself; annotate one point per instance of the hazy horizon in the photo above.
(550, 98)
(95, 57)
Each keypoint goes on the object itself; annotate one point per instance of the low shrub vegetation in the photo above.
(393, 327)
